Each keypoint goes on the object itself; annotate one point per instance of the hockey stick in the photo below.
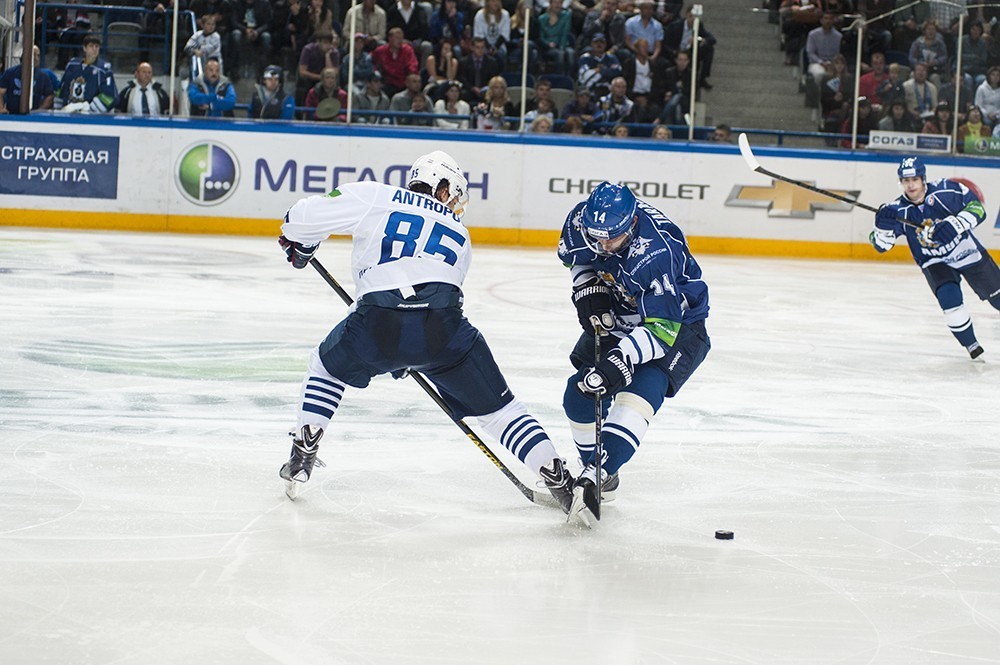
(534, 496)
(598, 425)
(754, 165)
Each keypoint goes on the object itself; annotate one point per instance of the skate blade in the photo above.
(292, 489)
(578, 511)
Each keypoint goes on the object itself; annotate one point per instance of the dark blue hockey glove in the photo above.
(885, 218)
(612, 373)
(594, 305)
(298, 254)
(400, 373)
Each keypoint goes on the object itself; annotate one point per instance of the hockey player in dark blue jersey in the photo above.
(635, 281)
(943, 212)
(88, 83)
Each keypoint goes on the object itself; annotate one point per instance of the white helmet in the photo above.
(432, 168)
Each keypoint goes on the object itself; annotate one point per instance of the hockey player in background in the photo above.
(944, 212)
(88, 84)
(410, 255)
(635, 281)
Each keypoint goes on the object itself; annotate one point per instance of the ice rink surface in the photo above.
(147, 383)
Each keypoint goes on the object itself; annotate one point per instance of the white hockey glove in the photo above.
(882, 240)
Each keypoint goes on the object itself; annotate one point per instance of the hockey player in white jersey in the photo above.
(942, 215)
(410, 255)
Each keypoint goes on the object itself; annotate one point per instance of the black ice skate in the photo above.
(299, 466)
(586, 507)
(559, 482)
(975, 350)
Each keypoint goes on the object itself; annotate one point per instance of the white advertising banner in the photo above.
(240, 177)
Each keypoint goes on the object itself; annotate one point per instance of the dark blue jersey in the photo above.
(656, 282)
(944, 198)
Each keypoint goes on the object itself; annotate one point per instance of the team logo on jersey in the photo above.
(207, 173)
(638, 246)
(783, 199)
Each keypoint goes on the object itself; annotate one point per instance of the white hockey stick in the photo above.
(754, 165)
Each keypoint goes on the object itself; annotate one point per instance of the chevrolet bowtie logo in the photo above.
(782, 199)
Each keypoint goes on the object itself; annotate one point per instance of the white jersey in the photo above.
(401, 238)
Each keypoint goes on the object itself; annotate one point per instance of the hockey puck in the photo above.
(723, 535)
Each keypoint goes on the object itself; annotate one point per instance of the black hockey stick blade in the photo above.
(540, 498)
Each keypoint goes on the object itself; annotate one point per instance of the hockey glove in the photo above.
(594, 305)
(400, 373)
(882, 240)
(885, 218)
(298, 254)
(943, 232)
(612, 373)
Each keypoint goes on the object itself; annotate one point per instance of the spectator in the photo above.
(987, 97)
(947, 93)
(662, 133)
(920, 94)
(797, 17)
(867, 122)
(574, 124)
(597, 68)
(583, 108)
(679, 36)
(518, 22)
(930, 50)
(975, 56)
(395, 60)
(543, 90)
(42, 93)
(415, 23)
(327, 88)
(204, 44)
(73, 28)
(836, 94)
(544, 108)
(973, 130)
(251, 28)
(371, 99)
(492, 23)
(541, 125)
(305, 23)
(403, 100)
(644, 26)
(722, 134)
(211, 94)
(442, 65)
(895, 89)
(269, 100)
(646, 111)
(156, 23)
(363, 70)
(319, 54)
(496, 108)
(875, 83)
(143, 96)
(221, 11)
(447, 22)
(88, 83)
(453, 104)
(371, 22)
(477, 69)
(677, 95)
(419, 112)
(620, 132)
(556, 41)
(899, 119)
(605, 18)
(942, 122)
(616, 107)
(822, 44)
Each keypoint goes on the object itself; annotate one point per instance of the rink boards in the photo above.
(235, 177)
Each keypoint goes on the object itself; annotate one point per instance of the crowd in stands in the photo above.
(620, 66)
(908, 80)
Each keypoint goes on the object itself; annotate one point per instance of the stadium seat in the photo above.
(558, 80)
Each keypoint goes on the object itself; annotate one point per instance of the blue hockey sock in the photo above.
(949, 296)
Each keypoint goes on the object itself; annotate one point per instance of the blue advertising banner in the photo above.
(59, 165)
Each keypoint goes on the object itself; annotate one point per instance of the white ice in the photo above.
(147, 383)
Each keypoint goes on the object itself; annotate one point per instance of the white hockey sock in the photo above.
(319, 396)
(520, 433)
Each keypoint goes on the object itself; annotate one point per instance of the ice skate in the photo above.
(975, 350)
(585, 507)
(559, 482)
(299, 466)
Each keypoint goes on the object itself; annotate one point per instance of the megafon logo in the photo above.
(207, 173)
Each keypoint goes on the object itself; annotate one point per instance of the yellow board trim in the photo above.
(117, 221)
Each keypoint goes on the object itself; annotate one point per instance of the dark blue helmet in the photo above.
(609, 213)
(912, 167)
